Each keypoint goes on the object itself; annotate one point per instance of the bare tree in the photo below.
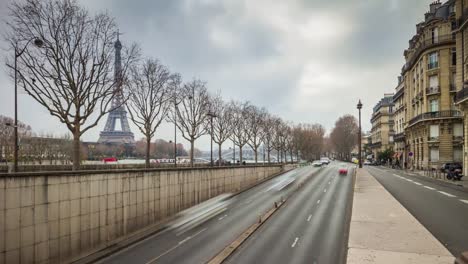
(222, 124)
(267, 134)
(255, 119)
(240, 126)
(7, 141)
(191, 112)
(277, 130)
(148, 100)
(72, 74)
(344, 136)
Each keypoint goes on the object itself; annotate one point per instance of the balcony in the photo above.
(424, 45)
(432, 139)
(461, 95)
(433, 90)
(399, 137)
(457, 138)
(435, 115)
(433, 65)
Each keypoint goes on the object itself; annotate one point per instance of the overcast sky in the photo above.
(304, 60)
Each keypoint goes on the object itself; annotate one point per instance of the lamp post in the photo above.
(211, 115)
(359, 107)
(38, 43)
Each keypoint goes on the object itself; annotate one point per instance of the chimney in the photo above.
(434, 6)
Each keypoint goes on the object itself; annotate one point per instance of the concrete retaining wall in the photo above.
(60, 216)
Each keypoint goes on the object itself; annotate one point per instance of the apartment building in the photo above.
(399, 118)
(461, 98)
(434, 124)
(382, 125)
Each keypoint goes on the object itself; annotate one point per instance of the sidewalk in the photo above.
(383, 231)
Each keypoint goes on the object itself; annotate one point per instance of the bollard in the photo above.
(276, 205)
(259, 219)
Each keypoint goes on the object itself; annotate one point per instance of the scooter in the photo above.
(454, 175)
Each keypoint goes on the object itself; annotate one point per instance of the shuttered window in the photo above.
(458, 130)
(434, 131)
(434, 152)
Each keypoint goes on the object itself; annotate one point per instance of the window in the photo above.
(454, 81)
(457, 154)
(433, 60)
(434, 81)
(458, 130)
(435, 35)
(434, 105)
(434, 154)
(434, 132)
(454, 56)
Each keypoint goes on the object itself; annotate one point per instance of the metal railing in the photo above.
(461, 95)
(435, 115)
(399, 137)
(433, 90)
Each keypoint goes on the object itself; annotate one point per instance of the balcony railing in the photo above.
(426, 44)
(433, 90)
(433, 65)
(461, 95)
(433, 138)
(458, 138)
(399, 137)
(435, 115)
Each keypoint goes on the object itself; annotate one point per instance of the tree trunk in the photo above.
(219, 154)
(268, 156)
(240, 155)
(256, 158)
(148, 144)
(192, 145)
(76, 150)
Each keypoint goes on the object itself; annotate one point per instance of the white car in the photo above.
(325, 160)
(317, 163)
(366, 162)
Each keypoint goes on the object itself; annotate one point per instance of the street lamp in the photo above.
(212, 115)
(38, 43)
(359, 107)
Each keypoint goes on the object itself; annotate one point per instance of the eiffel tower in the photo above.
(112, 135)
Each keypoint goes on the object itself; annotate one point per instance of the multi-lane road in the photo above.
(441, 207)
(310, 227)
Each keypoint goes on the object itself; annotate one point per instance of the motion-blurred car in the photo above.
(325, 160)
(343, 171)
(317, 163)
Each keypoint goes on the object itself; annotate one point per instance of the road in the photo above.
(440, 207)
(311, 228)
(323, 222)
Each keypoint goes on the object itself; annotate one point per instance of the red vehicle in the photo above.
(112, 159)
(343, 171)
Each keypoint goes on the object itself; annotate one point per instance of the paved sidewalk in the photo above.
(383, 231)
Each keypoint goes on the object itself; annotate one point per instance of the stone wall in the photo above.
(60, 216)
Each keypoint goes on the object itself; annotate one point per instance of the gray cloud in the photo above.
(305, 60)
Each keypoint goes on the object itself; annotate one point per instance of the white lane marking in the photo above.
(329, 182)
(176, 246)
(249, 201)
(396, 175)
(409, 180)
(222, 217)
(430, 188)
(308, 218)
(446, 194)
(295, 242)
(464, 201)
(318, 201)
(325, 190)
(417, 183)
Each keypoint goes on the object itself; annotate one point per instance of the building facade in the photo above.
(461, 99)
(382, 126)
(399, 119)
(433, 128)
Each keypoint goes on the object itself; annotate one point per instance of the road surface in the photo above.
(311, 228)
(440, 207)
(315, 214)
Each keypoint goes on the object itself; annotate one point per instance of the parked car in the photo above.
(451, 166)
(366, 162)
(317, 163)
(325, 160)
(222, 162)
